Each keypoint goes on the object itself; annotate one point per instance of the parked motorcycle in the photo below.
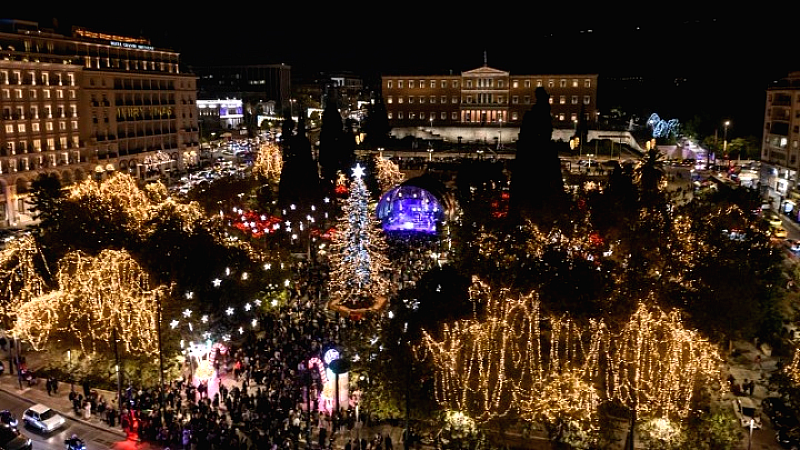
(75, 443)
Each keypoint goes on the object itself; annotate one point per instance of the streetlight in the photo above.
(69, 367)
(750, 439)
(725, 137)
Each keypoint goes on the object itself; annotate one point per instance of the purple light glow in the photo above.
(409, 208)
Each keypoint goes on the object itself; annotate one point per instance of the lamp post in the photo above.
(750, 439)
(69, 367)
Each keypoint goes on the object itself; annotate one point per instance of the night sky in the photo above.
(723, 62)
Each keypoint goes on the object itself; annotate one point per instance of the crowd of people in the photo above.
(261, 396)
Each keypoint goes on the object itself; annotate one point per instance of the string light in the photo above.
(505, 363)
(388, 173)
(96, 298)
(359, 266)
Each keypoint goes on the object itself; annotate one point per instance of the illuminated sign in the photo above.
(132, 45)
(142, 113)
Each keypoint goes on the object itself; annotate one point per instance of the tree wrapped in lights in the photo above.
(655, 364)
(20, 279)
(358, 263)
(388, 173)
(503, 364)
(269, 162)
(98, 297)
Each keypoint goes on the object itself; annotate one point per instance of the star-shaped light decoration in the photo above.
(189, 295)
(204, 319)
(247, 306)
(217, 282)
(174, 324)
(229, 311)
(187, 313)
(358, 171)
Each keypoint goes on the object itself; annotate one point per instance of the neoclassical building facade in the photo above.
(86, 105)
(485, 96)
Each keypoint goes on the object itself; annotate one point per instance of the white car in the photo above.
(42, 418)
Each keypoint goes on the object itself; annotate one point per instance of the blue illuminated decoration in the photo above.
(662, 128)
(409, 208)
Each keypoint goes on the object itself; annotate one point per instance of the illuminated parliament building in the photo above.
(86, 105)
(485, 96)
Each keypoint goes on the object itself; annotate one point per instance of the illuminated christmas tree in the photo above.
(358, 274)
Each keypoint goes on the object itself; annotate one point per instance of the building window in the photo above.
(443, 115)
(562, 83)
(421, 99)
(526, 99)
(561, 117)
(21, 128)
(422, 115)
(550, 83)
(469, 84)
(399, 84)
(400, 115)
(515, 84)
(443, 99)
(9, 128)
(389, 84)
(587, 83)
(538, 83)
(454, 100)
(500, 83)
(400, 100)
(573, 117)
(587, 99)
(550, 100)
(574, 99)
(575, 83)
(433, 99)
(454, 115)
(515, 99)
(411, 116)
(514, 116)
(433, 84)
(410, 99)
(35, 127)
(389, 115)
(444, 84)
(411, 84)
(562, 100)
(389, 100)
(455, 83)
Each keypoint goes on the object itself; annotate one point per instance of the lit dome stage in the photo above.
(419, 205)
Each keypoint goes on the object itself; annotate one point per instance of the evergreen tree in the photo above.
(330, 139)
(299, 184)
(376, 125)
(358, 263)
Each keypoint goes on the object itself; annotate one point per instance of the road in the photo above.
(95, 438)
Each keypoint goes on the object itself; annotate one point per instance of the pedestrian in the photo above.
(757, 362)
(49, 385)
(55, 386)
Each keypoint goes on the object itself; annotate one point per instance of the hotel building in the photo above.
(87, 104)
(486, 96)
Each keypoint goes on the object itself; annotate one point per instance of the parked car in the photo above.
(774, 219)
(42, 418)
(12, 439)
(8, 419)
(780, 233)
